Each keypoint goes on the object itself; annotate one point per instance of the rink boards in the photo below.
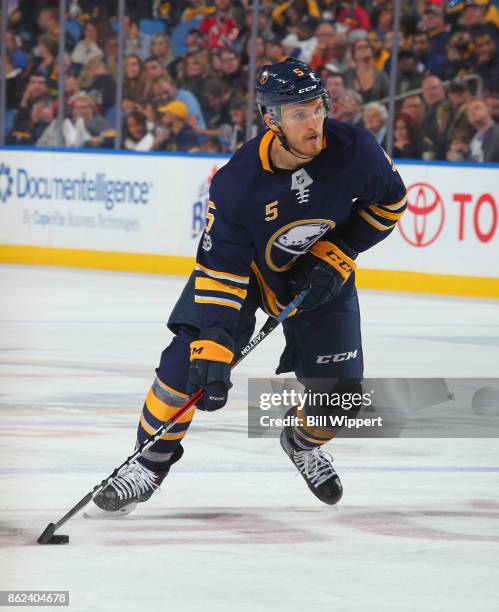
(145, 213)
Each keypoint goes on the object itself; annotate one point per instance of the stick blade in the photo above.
(47, 534)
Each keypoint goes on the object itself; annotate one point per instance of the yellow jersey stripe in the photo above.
(397, 205)
(208, 284)
(372, 221)
(385, 214)
(268, 295)
(244, 280)
(201, 299)
(264, 148)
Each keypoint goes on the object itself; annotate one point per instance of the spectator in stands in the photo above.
(164, 90)
(459, 148)
(335, 85)
(380, 54)
(264, 27)
(384, 19)
(301, 44)
(484, 145)
(260, 57)
(375, 120)
(137, 137)
(324, 51)
(71, 84)
(350, 108)
(50, 136)
(153, 70)
(194, 41)
(161, 49)
(96, 79)
(85, 127)
(274, 51)
(111, 54)
(87, 49)
(370, 83)
(216, 96)
(353, 16)
(14, 84)
(341, 60)
(433, 95)
(34, 124)
(23, 22)
(136, 42)
(220, 30)
(133, 83)
(407, 140)
(434, 25)
(45, 54)
(232, 72)
(194, 73)
(409, 76)
(233, 134)
(48, 23)
(415, 108)
(18, 57)
(287, 15)
(36, 88)
(451, 117)
(492, 101)
(459, 55)
(421, 48)
(474, 16)
(214, 63)
(177, 116)
(210, 145)
(487, 60)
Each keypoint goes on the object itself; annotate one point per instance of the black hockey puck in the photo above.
(59, 539)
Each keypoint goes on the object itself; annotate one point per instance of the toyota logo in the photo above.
(424, 217)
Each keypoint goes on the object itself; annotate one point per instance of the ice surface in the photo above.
(234, 528)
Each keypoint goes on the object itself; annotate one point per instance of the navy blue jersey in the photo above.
(260, 219)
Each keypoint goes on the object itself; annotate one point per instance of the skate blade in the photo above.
(96, 513)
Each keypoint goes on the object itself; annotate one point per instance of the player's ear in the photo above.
(269, 122)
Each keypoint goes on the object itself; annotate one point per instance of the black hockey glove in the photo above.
(210, 368)
(324, 269)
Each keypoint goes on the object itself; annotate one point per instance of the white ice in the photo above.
(233, 528)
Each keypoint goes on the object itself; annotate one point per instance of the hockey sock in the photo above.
(162, 402)
(311, 436)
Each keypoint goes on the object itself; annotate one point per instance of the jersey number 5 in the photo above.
(210, 217)
(271, 211)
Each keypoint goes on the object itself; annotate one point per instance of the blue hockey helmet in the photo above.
(288, 82)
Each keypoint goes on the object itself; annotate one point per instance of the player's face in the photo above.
(303, 126)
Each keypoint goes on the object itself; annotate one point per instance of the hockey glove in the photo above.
(210, 368)
(324, 270)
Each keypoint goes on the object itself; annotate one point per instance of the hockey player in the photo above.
(291, 210)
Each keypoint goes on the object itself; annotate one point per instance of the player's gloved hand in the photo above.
(211, 356)
(325, 268)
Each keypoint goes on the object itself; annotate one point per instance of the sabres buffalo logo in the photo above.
(294, 239)
(264, 77)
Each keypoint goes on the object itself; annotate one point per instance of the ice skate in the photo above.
(133, 485)
(316, 467)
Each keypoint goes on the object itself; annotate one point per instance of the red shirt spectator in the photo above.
(220, 30)
(354, 16)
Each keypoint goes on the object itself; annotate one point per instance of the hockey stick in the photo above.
(48, 537)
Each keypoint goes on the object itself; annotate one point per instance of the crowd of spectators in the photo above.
(186, 62)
